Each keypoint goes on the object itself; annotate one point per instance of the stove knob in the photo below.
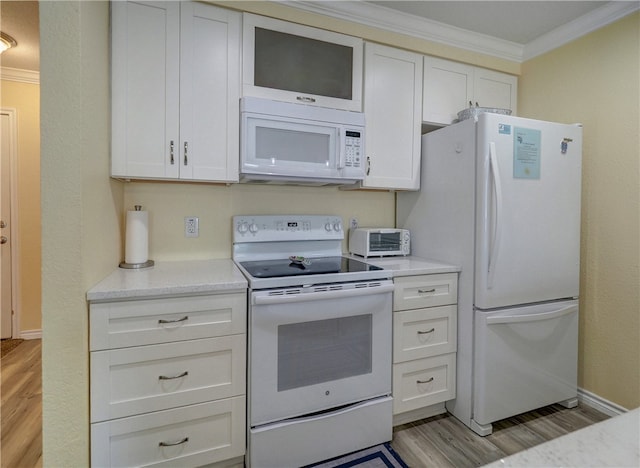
(337, 226)
(327, 227)
(243, 227)
(253, 228)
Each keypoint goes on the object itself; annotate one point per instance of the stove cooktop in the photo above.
(299, 271)
(297, 266)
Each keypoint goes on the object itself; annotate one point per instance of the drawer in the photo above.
(422, 333)
(423, 382)
(138, 380)
(416, 292)
(195, 435)
(150, 321)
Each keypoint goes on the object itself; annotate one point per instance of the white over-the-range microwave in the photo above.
(379, 242)
(298, 143)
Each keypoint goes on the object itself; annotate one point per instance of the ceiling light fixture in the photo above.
(6, 42)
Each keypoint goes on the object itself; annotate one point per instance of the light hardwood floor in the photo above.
(438, 442)
(21, 406)
(443, 441)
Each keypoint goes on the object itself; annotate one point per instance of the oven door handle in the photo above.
(315, 296)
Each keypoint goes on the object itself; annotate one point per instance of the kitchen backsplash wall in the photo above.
(169, 203)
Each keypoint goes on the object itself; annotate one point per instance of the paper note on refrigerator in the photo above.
(526, 153)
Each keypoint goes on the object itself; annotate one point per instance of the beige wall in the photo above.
(82, 209)
(168, 204)
(595, 80)
(25, 98)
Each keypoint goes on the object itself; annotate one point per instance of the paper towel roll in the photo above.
(136, 247)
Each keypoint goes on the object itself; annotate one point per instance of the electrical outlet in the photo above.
(353, 223)
(191, 226)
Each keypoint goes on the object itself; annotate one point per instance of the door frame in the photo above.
(13, 219)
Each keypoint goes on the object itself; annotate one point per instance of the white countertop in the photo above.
(410, 265)
(614, 442)
(170, 278)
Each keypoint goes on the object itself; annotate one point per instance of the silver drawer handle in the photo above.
(424, 381)
(425, 291)
(164, 377)
(186, 317)
(172, 444)
(426, 332)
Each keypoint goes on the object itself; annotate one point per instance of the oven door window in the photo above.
(384, 242)
(320, 351)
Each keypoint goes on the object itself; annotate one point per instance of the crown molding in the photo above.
(17, 74)
(579, 27)
(395, 21)
(387, 19)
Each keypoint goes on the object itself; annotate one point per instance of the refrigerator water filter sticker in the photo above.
(526, 153)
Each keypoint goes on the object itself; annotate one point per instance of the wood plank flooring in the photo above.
(438, 442)
(443, 441)
(21, 406)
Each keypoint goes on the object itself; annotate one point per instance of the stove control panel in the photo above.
(267, 228)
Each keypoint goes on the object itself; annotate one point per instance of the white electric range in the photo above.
(320, 341)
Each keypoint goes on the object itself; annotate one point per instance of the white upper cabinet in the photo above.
(494, 89)
(450, 86)
(175, 91)
(295, 63)
(392, 106)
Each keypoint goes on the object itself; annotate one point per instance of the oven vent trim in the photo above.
(323, 288)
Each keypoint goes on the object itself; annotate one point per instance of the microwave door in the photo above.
(289, 148)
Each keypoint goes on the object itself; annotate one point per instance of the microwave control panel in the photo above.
(353, 148)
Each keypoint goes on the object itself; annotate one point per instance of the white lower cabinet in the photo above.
(168, 381)
(424, 345)
(194, 435)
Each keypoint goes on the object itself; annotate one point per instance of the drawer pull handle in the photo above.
(425, 291)
(186, 317)
(424, 381)
(173, 444)
(426, 332)
(164, 377)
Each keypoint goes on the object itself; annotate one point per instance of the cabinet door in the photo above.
(291, 62)
(448, 88)
(209, 93)
(494, 89)
(392, 105)
(145, 95)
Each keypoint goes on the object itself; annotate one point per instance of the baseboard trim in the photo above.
(31, 334)
(604, 406)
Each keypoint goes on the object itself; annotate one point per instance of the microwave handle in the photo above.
(341, 149)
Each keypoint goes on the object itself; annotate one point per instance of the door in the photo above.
(527, 211)
(145, 89)
(314, 351)
(209, 92)
(448, 88)
(392, 107)
(524, 358)
(7, 142)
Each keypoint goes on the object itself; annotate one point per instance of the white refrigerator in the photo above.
(500, 197)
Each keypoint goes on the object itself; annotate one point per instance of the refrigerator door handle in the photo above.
(532, 317)
(495, 244)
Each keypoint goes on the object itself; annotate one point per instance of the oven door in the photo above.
(318, 348)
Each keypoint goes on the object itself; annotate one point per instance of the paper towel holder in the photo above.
(137, 266)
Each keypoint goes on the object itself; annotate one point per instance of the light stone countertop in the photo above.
(170, 278)
(410, 265)
(614, 442)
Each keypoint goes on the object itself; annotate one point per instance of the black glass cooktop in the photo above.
(296, 266)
